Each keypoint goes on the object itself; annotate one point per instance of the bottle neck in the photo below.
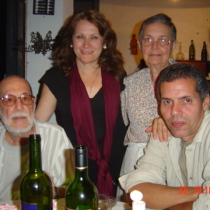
(35, 153)
(81, 173)
(81, 161)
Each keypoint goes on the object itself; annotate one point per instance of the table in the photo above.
(61, 203)
(122, 206)
(118, 206)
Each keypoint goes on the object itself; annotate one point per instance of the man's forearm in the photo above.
(161, 196)
(182, 206)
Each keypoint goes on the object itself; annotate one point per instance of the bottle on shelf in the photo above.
(36, 190)
(180, 55)
(81, 192)
(204, 52)
(192, 51)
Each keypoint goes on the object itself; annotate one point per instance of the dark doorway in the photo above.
(84, 4)
(12, 38)
(3, 39)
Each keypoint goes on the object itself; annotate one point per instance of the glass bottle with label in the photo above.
(81, 192)
(180, 55)
(192, 51)
(204, 52)
(36, 186)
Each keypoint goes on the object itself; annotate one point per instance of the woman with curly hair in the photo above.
(83, 89)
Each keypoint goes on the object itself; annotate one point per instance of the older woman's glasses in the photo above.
(10, 100)
(162, 42)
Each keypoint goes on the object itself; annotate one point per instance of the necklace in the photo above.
(91, 86)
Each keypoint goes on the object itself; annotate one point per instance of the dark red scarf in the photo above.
(84, 125)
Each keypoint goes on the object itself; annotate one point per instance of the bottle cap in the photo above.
(81, 156)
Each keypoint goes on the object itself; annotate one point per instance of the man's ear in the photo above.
(206, 102)
(34, 105)
(174, 45)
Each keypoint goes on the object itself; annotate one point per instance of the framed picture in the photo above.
(43, 7)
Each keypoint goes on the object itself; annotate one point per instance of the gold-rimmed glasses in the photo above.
(161, 42)
(10, 100)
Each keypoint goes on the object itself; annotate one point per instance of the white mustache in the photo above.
(18, 114)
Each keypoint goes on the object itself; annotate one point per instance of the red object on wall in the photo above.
(133, 45)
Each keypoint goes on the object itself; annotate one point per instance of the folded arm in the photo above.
(160, 196)
(182, 206)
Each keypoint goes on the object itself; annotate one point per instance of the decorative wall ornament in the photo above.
(43, 7)
(133, 45)
(40, 45)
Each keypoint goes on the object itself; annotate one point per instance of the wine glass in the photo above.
(104, 202)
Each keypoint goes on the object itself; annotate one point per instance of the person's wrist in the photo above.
(192, 194)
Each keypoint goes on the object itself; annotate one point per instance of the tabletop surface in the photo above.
(60, 205)
(122, 206)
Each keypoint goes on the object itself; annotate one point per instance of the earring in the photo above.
(71, 45)
(104, 46)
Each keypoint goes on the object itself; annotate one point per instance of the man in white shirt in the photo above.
(17, 105)
(176, 174)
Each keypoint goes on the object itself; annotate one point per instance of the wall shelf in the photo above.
(202, 65)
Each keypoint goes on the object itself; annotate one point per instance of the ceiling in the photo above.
(160, 3)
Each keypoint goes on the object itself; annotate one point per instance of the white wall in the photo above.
(37, 64)
(191, 23)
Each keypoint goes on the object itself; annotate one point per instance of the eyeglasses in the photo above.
(162, 42)
(10, 100)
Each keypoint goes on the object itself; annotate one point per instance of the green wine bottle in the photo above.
(204, 52)
(36, 186)
(192, 51)
(81, 192)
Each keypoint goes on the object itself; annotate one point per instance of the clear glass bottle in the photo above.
(192, 51)
(36, 186)
(204, 52)
(180, 55)
(81, 192)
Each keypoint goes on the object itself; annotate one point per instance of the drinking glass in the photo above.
(104, 202)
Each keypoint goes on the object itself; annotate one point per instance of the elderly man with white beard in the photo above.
(17, 105)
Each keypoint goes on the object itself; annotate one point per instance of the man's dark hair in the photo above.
(179, 71)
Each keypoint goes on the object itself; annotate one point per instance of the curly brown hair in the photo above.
(110, 59)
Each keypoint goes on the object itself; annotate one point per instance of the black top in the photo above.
(59, 86)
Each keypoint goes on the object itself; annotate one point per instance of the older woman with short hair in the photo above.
(157, 40)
